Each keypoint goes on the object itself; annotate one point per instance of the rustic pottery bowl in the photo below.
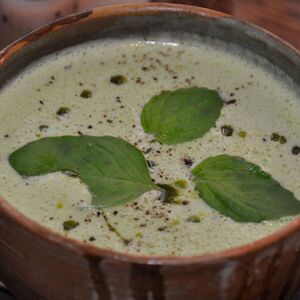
(37, 263)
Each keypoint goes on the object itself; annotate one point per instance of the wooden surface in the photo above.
(281, 17)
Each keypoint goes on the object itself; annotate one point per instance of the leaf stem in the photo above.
(168, 193)
(113, 229)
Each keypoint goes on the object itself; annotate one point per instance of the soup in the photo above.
(100, 88)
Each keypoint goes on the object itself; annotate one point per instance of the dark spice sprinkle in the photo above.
(43, 128)
(227, 130)
(185, 202)
(188, 162)
(70, 224)
(264, 139)
(79, 132)
(68, 67)
(92, 239)
(139, 80)
(90, 127)
(151, 163)
(163, 228)
(6, 136)
(63, 111)
(118, 79)
(148, 150)
(41, 102)
(296, 150)
(115, 212)
(86, 94)
(232, 101)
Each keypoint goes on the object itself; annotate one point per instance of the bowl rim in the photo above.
(87, 249)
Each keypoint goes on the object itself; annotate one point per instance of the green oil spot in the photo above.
(193, 219)
(59, 204)
(182, 184)
(63, 111)
(242, 134)
(86, 94)
(69, 225)
(118, 79)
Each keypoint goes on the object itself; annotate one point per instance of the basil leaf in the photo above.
(114, 171)
(242, 191)
(182, 115)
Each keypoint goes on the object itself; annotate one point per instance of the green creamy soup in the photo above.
(100, 88)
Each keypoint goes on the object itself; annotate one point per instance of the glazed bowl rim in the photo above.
(85, 249)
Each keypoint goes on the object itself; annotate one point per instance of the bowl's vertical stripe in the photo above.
(147, 282)
(98, 278)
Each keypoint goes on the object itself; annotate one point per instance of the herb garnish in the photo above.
(241, 190)
(182, 115)
(114, 171)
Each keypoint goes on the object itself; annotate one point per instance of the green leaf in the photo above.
(182, 115)
(242, 191)
(114, 171)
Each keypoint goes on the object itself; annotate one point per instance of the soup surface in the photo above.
(259, 103)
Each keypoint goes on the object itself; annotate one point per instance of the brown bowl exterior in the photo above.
(37, 263)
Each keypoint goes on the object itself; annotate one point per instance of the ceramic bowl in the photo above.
(36, 263)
